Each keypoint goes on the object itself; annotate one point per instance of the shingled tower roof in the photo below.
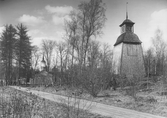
(127, 21)
(127, 36)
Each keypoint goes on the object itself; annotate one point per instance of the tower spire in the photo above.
(126, 10)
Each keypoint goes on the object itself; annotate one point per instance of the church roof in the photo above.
(128, 37)
(127, 21)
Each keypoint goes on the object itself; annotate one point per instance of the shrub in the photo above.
(145, 84)
(133, 87)
(74, 107)
(151, 99)
(92, 81)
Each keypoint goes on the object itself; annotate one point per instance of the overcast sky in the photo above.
(45, 18)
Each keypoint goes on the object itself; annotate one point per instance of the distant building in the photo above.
(43, 64)
(43, 78)
(128, 53)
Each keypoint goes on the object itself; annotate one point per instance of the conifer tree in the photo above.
(8, 39)
(23, 51)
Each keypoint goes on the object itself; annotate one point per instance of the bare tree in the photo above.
(149, 62)
(107, 55)
(91, 21)
(47, 48)
(106, 65)
(82, 53)
(159, 47)
(71, 28)
(35, 57)
(61, 53)
(91, 75)
(73, 42)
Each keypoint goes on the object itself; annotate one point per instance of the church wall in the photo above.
(132, 61)
(117, 58)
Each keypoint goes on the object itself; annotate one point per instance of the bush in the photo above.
(145, 84)
(122, 80)
(92, 81)
(74, 108)
(133, 87)
(151, 99)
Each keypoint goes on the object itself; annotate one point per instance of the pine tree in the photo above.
(8, 39)
(23, 51)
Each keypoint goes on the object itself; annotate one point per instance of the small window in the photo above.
(132, 50)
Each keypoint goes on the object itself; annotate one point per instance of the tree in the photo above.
(23, 51)
(47, 48)
(92, 81)
(97, 73)
(159, 47)
(35, 57)
(85, 23)
(83, 52)
(106, 58)
(149, 61)
(8, 40)
(61, 53)
(91, 21)
(71, 28)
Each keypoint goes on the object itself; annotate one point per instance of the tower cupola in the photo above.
(127, 25)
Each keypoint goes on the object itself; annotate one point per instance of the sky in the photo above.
(45, 18)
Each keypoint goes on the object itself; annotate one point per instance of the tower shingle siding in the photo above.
(132, 61)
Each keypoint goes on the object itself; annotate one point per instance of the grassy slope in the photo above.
(147, 101)
(38, 106)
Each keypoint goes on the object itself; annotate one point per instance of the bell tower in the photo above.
(128, 53)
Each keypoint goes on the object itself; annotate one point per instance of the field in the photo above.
(16, 104)
(149, 100)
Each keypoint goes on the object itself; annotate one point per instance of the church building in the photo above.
(128, 54)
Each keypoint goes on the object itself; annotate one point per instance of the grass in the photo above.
(147, 100)
(17, 104)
